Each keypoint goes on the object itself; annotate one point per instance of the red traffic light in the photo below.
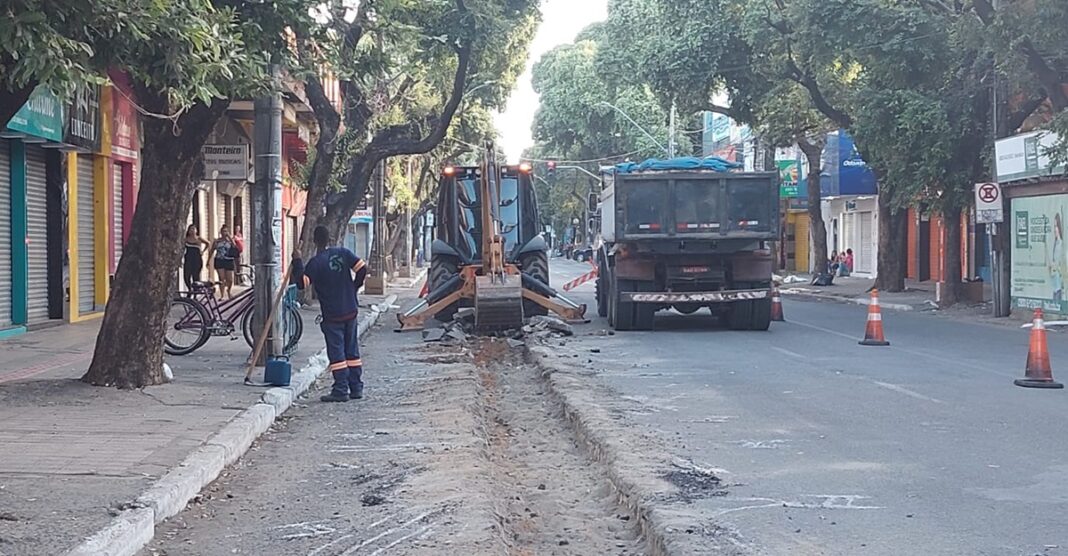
(552, 165)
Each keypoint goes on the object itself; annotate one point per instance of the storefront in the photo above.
(1037, 213)
(123, 166)
(850, 204)
(87, 201)
(31, 219)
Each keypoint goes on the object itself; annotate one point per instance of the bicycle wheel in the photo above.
(186, 327)
(292, 327)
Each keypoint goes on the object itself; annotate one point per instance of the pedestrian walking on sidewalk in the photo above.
(225, 261)
(193, 264)
(336, 273)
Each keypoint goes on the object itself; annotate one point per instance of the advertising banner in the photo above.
(1026, 156)
(789, 177)
(1039, 253)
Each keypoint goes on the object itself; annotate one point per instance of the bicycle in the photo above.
(196, 316)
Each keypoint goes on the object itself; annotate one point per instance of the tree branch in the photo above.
(816, 94)
(1017, 119)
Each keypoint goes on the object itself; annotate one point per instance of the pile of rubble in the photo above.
(538, 328)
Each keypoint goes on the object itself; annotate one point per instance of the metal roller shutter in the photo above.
(863, 256)
(37, 230)
(116, 210)
(86, 236)
(5, 234)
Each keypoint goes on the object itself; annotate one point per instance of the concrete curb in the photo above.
(636, 486)
(849, 300)
(134, 528)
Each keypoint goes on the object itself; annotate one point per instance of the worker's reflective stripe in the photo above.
(354, 363)
(339, 366)
(359, 264)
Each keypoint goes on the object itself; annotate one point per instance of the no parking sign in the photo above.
(988, 207)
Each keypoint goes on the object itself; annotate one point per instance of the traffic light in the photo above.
(552, 169)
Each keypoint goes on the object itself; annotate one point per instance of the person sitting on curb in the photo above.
(331, 272)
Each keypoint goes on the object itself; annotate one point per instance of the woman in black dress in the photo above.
(194, 261)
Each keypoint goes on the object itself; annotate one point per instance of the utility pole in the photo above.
(375, 283)
(267, 211)
(671, 131)
(998, 233)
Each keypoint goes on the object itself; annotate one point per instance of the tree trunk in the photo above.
(11, 102)
(951, 254)
(893, 225)
(129, 347)
(817, 228)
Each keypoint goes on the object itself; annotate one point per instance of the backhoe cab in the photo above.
(489, 253)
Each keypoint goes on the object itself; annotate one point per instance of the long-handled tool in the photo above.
(261, 341)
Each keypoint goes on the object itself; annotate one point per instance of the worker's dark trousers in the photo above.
(344, 353)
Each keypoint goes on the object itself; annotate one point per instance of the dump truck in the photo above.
(490, 253)
(685, 236)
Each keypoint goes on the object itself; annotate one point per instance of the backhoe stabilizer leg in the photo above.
(416, 317)
(571, 312)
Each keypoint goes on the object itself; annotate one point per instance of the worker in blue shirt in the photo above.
(331, 271)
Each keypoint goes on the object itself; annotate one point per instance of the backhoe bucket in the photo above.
(498, 304)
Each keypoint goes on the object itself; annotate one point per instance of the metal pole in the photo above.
(375, 282)
(999, 269)
(267, 211)
(671, 132)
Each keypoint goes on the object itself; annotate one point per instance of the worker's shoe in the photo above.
(334, 397)
(356, 394)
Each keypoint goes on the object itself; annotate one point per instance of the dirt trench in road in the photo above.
(457, 449)
(550, 497)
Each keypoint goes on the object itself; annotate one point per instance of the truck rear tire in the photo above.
(626, 312)
(601, 289)
(536, 264)
(761, 318)
(644, 313)
(442, 269)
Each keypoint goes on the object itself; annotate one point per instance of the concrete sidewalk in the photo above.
(850, 289)
(917, 297)
(94, 469)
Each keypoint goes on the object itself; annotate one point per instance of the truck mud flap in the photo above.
(670, 298)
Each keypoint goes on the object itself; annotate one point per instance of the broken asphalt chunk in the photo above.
(433, 334)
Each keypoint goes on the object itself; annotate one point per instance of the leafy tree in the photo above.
(214, 51)
(395, 62)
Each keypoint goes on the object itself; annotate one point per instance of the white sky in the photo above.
(561, 22)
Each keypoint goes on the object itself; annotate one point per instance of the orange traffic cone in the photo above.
(1038, 373)
(776, 306)
(873, 333)
(426, 289)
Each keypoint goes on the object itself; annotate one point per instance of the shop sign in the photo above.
(1039, 253)
(1026, 156)
(225, 162)
(364, 216)
(41, 116)
(125, 132)
(83, 119)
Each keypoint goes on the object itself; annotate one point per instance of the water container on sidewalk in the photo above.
(278, 372)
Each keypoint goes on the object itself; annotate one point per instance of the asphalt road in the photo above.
(828, 447)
